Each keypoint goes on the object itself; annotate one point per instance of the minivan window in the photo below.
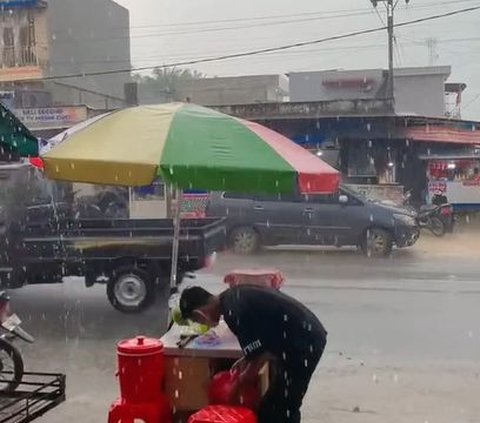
(237, 196)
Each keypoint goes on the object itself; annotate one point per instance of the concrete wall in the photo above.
(421, 93)
(234, 90)
(336, 85)
(89, 36)
(417, 90)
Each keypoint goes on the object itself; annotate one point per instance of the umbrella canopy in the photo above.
(188, 146)
(14, 136)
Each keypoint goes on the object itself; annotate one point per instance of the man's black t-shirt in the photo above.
(266, 320)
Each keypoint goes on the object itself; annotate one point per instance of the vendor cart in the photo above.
(36, 394)
(190, 368)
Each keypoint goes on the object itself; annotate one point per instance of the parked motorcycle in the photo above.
(11, 361)
(438, 217)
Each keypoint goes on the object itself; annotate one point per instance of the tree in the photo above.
(164, 83)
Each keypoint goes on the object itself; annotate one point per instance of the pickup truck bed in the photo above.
(131, 255)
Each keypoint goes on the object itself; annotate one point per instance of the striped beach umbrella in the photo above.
(188, 146)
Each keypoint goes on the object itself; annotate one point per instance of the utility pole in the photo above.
(391, 39)
(432, 44)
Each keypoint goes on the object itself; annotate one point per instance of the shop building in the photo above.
(63, 37)
(422, 91)
(379, 152)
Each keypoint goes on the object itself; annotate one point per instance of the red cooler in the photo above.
(141, 370)
(223, 414)
(272, 278)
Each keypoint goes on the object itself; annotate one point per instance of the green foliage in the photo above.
(167, 81)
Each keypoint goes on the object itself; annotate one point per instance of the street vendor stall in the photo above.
(190, 369)
(193, 360)
(189, 147)
(456, 177)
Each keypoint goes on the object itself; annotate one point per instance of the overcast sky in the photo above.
(168, 31)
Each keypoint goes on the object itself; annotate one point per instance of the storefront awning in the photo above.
(443, 134)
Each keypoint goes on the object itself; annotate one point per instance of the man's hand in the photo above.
(252, 368)
(239, 365)
(249, 374)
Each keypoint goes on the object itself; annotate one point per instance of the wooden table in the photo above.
(189, 370)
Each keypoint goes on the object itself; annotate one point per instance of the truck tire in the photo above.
(244, 240)
(377, 243)
(131, 290)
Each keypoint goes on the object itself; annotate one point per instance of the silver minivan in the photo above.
(341, 219)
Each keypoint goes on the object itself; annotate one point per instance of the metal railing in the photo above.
(25, 57)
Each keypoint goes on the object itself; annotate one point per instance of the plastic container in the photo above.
(223, 414)
(141, 370)
(221, 389)
(272, 278)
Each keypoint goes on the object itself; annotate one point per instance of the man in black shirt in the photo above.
(268, 325)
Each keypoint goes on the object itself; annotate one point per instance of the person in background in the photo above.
(439, 198)
(269, 325)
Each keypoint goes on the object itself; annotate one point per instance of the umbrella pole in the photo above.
(176, 241)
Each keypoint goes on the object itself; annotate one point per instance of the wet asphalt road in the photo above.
(416, 307)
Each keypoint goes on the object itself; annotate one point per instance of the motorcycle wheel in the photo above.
(437, 227)
(11, 367)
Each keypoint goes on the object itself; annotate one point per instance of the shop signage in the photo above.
(12, 4)
(52, 117)
(437, 186)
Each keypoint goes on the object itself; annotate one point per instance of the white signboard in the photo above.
(52, 117)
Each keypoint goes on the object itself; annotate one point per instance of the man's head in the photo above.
(200, 306)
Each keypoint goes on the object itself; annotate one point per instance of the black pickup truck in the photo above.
(44, 243)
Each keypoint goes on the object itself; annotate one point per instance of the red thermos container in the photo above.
(141, 370)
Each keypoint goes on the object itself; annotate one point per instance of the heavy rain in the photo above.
(246, 212)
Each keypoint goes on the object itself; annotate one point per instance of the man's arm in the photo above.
(253, 367)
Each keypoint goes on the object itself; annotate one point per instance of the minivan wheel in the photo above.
(244, 240)
(377, 243)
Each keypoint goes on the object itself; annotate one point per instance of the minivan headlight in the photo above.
(405, 219)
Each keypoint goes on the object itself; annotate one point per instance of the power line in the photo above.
(259, 51)
(322, 14)
(471, 103)
(190, 55)
(185, 31)
(209, 30)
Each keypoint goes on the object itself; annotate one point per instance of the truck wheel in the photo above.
(244, 240)
(377, 243)
(131, 290)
